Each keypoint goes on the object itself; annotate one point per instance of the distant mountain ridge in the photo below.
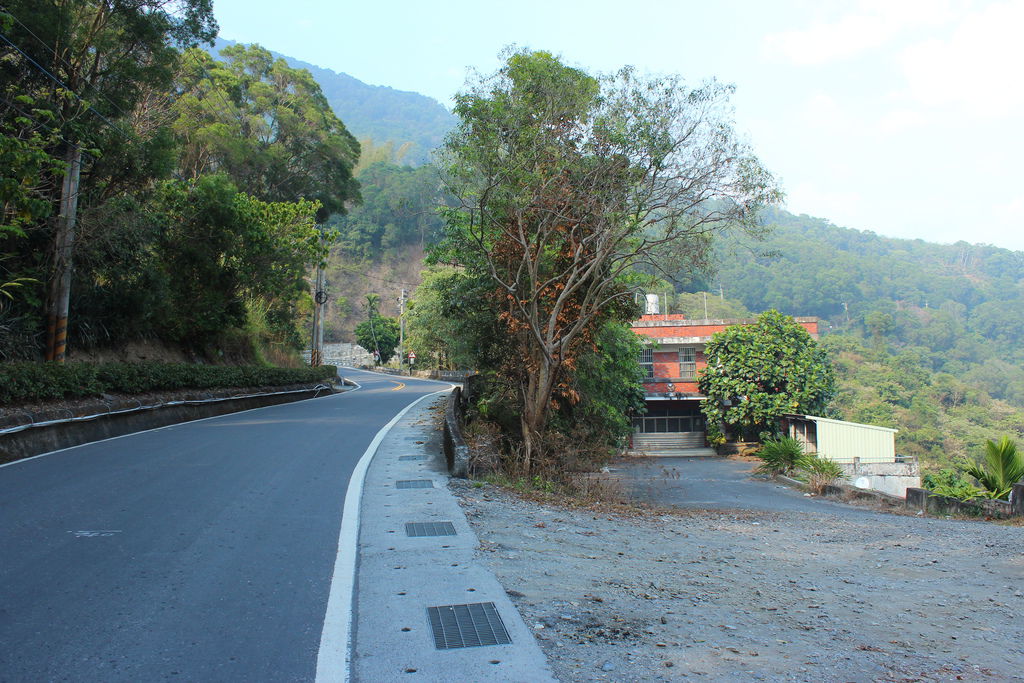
(376, 111)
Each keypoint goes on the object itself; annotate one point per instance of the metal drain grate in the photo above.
(414, 484)
(417, 529)
(471, 625)
(408, 458)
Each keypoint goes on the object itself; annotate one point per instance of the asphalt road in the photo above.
(197, 552)
(713, 482)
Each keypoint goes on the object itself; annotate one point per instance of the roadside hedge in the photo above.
(25, 381)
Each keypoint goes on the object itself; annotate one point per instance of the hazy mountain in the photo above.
(378, 112)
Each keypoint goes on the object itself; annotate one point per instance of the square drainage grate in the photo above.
(414, 484)
(412, 458)
(471, 625)
(417, 529)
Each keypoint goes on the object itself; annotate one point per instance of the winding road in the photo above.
(199, 551)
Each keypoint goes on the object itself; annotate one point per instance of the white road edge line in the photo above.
(335, 654)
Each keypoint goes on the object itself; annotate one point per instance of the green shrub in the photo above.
(949, 482)
(26, 381)
(781, 456)
(821, 472)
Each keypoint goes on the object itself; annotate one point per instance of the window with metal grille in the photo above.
(647, 362)
(687, 362)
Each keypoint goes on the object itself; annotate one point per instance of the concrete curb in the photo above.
(400, 576)
(29, 440)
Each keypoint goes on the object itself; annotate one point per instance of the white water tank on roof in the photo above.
(652, 305)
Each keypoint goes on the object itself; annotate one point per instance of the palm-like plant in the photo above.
(781, 456)
(1003, 467)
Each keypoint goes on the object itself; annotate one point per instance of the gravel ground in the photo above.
(756, 595)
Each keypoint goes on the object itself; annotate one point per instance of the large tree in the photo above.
(77, 69)
(267, 126)
(566, 183)
(757, 373)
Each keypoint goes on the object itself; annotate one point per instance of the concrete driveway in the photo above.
(717, 483)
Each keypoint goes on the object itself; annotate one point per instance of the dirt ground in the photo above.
(734, 595)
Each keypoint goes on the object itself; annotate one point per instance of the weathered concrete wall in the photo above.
(893, 478)
(926, 501)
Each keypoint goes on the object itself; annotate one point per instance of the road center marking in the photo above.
(94, 533)
(401, 385)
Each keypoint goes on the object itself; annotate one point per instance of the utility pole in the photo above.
(316, 353)
(401, 328)
(705, 305)
(64, 242)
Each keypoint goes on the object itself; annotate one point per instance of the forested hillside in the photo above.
(152, 194)
(381, 244)
(926, 337)
(378, 112)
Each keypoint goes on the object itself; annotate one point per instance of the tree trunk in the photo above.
(536, 399)
(63, 250)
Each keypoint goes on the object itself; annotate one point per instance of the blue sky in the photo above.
(905, 117)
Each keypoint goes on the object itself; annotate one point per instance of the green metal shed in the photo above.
(841, 441)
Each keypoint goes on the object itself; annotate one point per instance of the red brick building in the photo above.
(673, 359)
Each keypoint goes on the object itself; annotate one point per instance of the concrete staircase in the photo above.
(671, 445)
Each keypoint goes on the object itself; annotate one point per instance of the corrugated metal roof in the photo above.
(829, 420)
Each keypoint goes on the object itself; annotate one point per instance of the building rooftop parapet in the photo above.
(671, 321)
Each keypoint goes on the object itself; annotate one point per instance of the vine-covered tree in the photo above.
(565, 183)
(757, 373)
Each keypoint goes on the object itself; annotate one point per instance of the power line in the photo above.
(353, 269)
(39, 123)
(213, 85)
(63, 85)
(66, 62)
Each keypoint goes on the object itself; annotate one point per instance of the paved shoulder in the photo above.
(424, 606)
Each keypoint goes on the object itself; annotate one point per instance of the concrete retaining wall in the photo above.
(893, 478)
(456, 452)
(928, 502)
(43, 438)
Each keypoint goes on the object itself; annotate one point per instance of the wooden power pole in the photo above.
(64, 243)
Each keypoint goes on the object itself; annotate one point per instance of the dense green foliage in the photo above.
(757, 373)
(378, 335)
(200, 180)
(943, 419)
(923, 336)
(265, 125)
(47, 381)
(951, 483)
(961, 305)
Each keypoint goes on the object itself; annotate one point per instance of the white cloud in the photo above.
(977, 68)
(872, 24)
